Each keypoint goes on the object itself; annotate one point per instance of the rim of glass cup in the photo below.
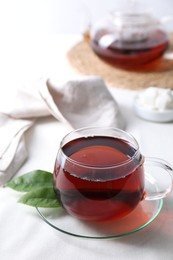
(132, 138)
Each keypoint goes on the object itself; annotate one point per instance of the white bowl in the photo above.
(153, 115)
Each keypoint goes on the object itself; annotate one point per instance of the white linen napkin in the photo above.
(79, 102)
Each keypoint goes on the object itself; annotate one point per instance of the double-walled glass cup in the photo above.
(101, 175)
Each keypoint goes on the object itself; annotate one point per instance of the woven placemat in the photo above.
(85, 62)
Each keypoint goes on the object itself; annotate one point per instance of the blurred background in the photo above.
(63, 16)
(31, 45)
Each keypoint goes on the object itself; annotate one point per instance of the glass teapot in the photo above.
(130, 37)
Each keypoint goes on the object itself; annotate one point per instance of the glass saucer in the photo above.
(141, 217)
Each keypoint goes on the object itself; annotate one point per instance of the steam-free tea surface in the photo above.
(99, 180)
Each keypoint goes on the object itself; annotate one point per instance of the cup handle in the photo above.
(156, 190)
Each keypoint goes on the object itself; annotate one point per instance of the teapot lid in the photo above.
(132, 21)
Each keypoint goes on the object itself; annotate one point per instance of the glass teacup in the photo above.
(99, 174)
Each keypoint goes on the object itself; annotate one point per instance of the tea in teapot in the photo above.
(130, 38)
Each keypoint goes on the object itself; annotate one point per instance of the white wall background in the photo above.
(61, 16)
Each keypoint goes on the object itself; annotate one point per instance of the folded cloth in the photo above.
(12, 150)
(79, 102)
(82, 102)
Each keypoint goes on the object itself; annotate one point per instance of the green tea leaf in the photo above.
(39, 187)
(31, 180)
(42, 197)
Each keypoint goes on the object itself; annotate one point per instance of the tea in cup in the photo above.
(99, 174)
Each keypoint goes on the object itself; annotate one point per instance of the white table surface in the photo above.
(23, 235)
